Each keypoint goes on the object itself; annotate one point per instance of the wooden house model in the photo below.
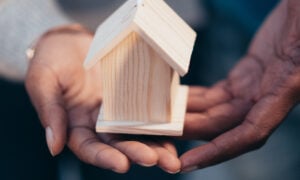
(142, 49)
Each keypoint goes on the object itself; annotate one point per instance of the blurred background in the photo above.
(225, 29)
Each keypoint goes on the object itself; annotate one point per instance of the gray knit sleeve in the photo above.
(21, 22)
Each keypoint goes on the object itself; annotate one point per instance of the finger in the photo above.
(251, 134)
(206, 98)
(86, 145)
(170, 147)
(216, 120)
(166, 159)
(45, 94)
(197, 90)
(136, 151)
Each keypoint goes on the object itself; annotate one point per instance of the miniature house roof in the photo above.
(156, 23)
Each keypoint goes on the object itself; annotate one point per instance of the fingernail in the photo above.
(172, 172)
(119, 171)
(189, 169)
(49, 139)
(147, 165)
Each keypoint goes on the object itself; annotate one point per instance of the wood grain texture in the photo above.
(172, 128)
(111, 32)
(167, 33)
(136, 83)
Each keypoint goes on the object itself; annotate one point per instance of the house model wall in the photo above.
(142, 48)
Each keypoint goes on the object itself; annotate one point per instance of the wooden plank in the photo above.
(167, 33)
(110, 33)
(175, 85)
(172, 128)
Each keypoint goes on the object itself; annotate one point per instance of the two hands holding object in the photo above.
(235, 115)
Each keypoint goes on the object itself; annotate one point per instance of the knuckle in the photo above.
(262, 136)
(258, 135)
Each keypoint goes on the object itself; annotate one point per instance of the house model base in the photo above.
(172, 128)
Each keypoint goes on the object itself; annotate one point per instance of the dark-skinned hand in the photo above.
(238, 114)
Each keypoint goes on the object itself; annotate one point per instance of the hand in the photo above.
(67, 99)
(238, 114)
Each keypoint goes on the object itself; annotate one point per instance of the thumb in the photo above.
(46, 95)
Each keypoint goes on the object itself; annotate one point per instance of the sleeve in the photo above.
(21, 23)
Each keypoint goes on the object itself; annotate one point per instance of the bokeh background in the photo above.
(225, 29)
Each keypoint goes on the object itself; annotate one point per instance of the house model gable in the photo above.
(156, 23)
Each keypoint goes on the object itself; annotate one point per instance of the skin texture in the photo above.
(67, 100)
(238, 114)
(235, 116)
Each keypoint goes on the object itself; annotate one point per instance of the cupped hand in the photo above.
(238, 114)
(67, 100)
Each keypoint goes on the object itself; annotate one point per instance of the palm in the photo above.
(75, 98)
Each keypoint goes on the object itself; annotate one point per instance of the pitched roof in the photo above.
(153, 20)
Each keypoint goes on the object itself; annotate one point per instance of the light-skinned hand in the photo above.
(67, 100)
